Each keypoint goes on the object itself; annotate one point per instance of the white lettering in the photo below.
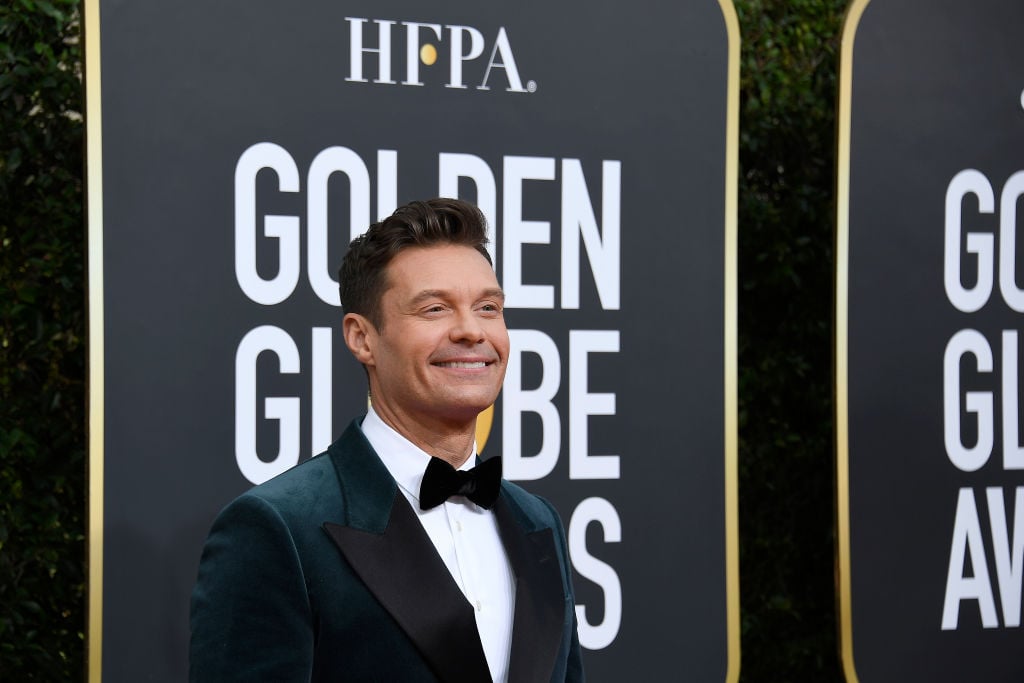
(516, 400)
(516, 232)
(412, 49)
(476, 48)
(583, 404)
(508, 63)
(1013, 453)
(451, 167)
(323, 367)
(326, 163)
(284, 228)
(1009, 561)
(578, 219)
(387, 187)
(284, 410)
(977, 402)
(356, 50)
(1012, 190)
(963, 183)
(967, 540)
(597, 636)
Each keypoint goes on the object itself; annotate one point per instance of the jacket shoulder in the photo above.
(314, 483)
(532, 510)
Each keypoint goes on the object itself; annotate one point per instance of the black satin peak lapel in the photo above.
(540, 601)
(402, 569)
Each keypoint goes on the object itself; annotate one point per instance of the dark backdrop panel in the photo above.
(936, 90)
(188, 87)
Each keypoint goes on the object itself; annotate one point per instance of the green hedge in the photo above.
(42, 333)
(786, 223)
(785, 306)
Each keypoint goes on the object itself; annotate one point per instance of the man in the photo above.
(384, 559)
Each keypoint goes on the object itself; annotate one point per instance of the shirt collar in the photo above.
(404, 460)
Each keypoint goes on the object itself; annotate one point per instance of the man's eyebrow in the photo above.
(495, 292)
(427, 294)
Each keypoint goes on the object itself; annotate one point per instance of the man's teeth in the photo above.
(459, 364)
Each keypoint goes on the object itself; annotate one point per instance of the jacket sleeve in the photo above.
(250, 615)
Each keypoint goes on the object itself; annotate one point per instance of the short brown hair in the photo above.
(361, 278)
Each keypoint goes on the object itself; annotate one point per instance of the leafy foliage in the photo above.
(786, 217)
(42, 360)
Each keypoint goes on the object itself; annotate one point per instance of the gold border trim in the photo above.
(843, 119)
(94, 208)
(732, 541)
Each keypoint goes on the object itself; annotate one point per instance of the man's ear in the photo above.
(360, 335)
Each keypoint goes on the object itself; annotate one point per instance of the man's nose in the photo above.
(466, 328)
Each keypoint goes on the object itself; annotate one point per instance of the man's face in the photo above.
(439, 356)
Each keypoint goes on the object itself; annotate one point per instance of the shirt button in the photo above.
(479, 607)
(458, 526)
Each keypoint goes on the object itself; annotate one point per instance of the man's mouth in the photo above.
(461, 364)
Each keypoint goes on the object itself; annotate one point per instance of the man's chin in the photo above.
(469, 413)
(462, 403)
(469, 409)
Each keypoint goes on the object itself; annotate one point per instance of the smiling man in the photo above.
(395, 556)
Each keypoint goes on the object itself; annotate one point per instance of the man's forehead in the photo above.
(446, 264)
(431, 268)
(439, 252)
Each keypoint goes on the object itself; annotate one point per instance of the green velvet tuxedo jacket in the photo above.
(324, 573)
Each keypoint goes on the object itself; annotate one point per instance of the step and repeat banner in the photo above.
(235, 148)
(929, 302)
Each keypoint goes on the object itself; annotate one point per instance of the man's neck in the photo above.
(452, 443)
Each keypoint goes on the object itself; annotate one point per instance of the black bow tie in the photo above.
(441, 481)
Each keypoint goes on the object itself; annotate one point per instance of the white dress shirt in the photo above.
(467, 539)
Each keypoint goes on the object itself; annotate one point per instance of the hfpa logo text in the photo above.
(465, 45)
